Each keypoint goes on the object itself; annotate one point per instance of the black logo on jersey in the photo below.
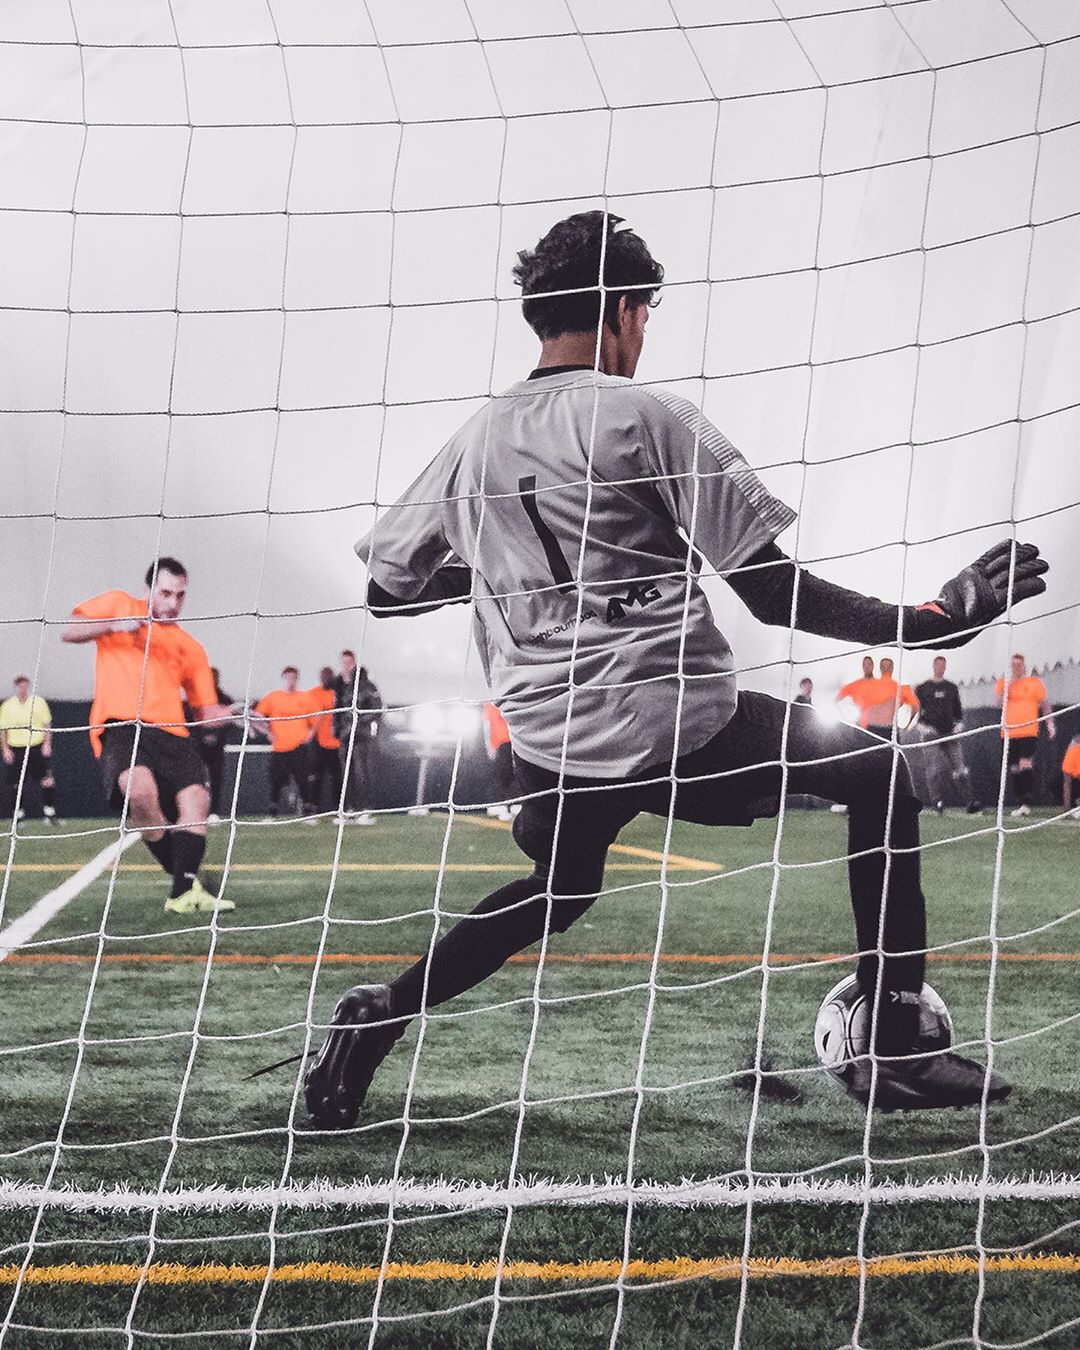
(640, 593)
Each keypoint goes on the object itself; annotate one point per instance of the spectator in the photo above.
(326, 752)
(355, 691)
(806, 692)
(1070, 770)
(941, 719)
(856, 690)
(284, 715)
(26, 735)
(879, 700)
(887, 699)
(497, 741)
(1024, 700)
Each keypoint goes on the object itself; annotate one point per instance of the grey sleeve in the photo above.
(408, 544)
(709, 489)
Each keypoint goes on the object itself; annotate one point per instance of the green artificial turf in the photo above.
(565, 1069)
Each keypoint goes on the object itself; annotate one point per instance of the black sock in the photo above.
(1025, 786)
(188, 850)
(162, 849)
(515, 918)
(48, 799)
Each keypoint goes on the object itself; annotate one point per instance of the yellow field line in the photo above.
(675, 859)
(521, 958)
(545, 1272)
(677, 864)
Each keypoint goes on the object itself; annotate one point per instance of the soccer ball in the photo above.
(842, 1029)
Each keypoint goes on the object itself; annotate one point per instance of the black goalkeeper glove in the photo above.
(977, 596)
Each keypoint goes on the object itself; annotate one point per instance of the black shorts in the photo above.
(733, 779)
(37, 766)
(173, 760)
(1021, 747)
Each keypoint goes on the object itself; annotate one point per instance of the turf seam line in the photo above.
(544, 1272)
(534, 1192)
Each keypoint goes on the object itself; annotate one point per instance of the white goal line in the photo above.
(476, 1195)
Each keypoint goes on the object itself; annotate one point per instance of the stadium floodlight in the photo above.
(255, 266)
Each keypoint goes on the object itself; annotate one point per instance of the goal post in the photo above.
(256, 268)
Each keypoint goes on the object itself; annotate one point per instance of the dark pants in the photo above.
(286, 766)
(358, 765)
(325, 763)
(212, 752)
(733, 779)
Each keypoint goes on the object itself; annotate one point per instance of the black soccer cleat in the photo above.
(928, 1084)
(360, 1037)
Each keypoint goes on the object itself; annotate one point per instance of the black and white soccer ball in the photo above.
(842, 1029)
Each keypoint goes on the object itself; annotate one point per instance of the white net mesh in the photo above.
(254, 270)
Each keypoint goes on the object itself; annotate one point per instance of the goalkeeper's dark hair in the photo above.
(173, 565)
(567, 259)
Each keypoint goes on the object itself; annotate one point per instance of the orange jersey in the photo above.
(878, 699)
(496, 732)
(324, 701)
(1070, 765)
(144, 675)
(287, 714)
(1026, 696)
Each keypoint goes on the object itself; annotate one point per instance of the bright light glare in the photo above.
(428, 720)
(444, 721)
(829, 712)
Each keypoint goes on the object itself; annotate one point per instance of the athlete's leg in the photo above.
(842, 764)
(569, 848)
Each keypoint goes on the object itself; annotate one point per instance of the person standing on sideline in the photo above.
(26, 735)
(497, 743)
(145, 662)
(1070, 772)
(941, 720)
(326, 751)
(806, 692)
(284, 715)
(1024, 701)
(858, 690)
(358, 751)
(884, 699)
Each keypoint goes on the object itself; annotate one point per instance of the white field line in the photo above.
(22, 929)
(475, 1195)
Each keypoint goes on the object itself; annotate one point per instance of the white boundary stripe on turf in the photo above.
(22, 929)
(475, 1195)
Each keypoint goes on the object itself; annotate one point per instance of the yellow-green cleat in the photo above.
(198, 900)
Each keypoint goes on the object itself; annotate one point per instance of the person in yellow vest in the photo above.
(1025, 702)
(26, 737)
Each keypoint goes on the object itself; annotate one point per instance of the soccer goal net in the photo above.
(255, 270)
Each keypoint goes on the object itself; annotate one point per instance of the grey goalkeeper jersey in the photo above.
(573, 497)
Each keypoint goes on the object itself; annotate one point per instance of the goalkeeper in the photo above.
(572, 495)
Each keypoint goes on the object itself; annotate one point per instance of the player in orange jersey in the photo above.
(1024, 700)
(885, 697)
(285, 715)
(326, 750)
(1070, 772)
(145, 663)
(879, 698)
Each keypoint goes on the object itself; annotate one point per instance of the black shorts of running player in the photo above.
(37, 766)
(734, 779)
(173, 760)
(1021, 747)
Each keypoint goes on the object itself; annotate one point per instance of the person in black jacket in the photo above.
(941, 720)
